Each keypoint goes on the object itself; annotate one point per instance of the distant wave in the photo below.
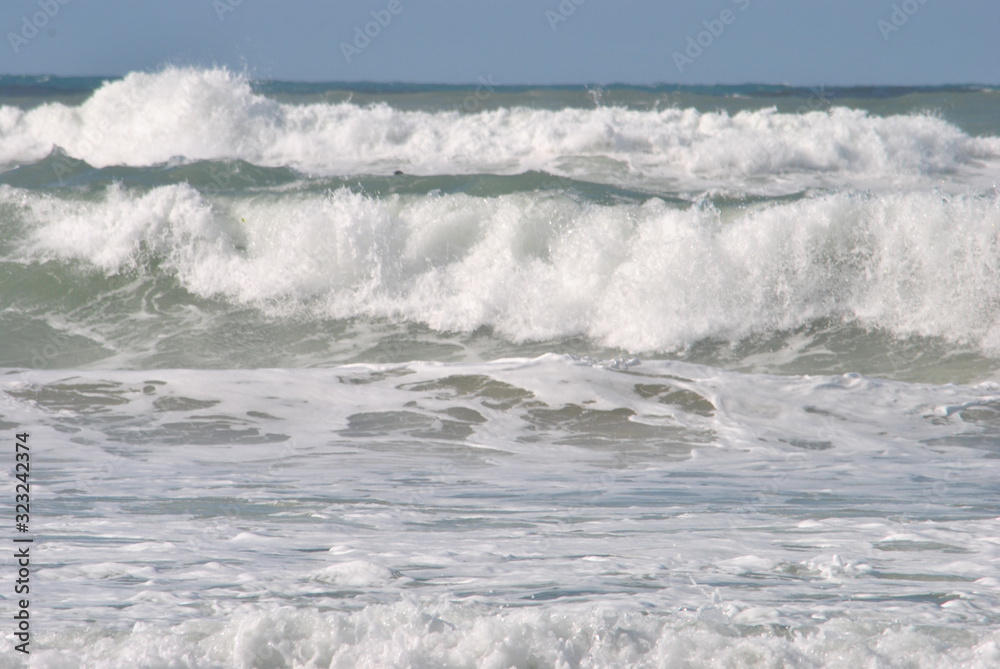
(37, 85)
(191, 114)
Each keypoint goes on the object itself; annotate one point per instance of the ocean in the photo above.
(364, 375)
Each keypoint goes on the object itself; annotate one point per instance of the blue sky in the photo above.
(799, 42)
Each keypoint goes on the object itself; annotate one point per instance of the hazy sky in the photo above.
(802, 42)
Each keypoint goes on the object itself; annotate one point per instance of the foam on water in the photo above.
(537, 266)
(146, 119)
(445, 636)
(224, 504)
(525, 512)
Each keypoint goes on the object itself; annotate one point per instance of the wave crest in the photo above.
(640, 277)
(192, 114)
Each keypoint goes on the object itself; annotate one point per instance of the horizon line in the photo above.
(484, 80)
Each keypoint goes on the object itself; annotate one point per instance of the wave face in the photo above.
(640, 277)
(751, 221)
(603, 377)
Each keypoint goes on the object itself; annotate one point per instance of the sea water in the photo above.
(323, 375)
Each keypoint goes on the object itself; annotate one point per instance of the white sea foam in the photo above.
(147, 119)
(453, 635)
(822, 521)
(529, 511)
(641, 277)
